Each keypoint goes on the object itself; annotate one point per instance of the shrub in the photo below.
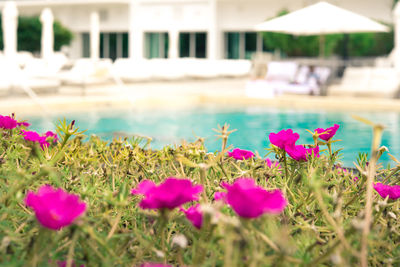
(308, 211)
(30, 32)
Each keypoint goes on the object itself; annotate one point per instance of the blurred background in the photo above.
(188, 65)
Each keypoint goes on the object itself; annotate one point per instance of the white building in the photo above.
(211, 29)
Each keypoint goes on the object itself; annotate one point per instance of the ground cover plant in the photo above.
(65, 201)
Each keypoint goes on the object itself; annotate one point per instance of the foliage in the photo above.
(323, 223)
(30, 32)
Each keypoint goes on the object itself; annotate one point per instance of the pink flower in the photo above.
(220, 196)
(23, 123)
(271, 164)
(300, 153)
(32, 136)
(149, 264)
(240, 154)
(64, 264)
(251, 201)
(55, 208)
(341, 170)
(331, 131)
(35, 138)
(6, 122)
(194, 215)
(169, 194)
(393, 191)
(50, 134)
(283, 138)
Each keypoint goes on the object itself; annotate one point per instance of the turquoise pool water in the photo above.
(253, 126)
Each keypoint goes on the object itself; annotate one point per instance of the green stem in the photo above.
(72, 248)
(285, 163)
(163, 231)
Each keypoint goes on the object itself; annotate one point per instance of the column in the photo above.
(94, 35)
(47, 41)
(213, 37)
(136, 34)
(9, 24)
(173, 43)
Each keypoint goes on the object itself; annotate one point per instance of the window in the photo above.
(184, 45)
(201, 45)
(112, 45)
(242, 45)
(250, 44)
(193, 44)
(156, 45)
(85, 45)
(125, 45)
(232, 45)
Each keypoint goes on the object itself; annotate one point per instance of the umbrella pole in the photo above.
(322, 46)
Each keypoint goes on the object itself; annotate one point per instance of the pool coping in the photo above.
(224, 93)
(84, 104)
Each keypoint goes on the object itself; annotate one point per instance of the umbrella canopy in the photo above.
(10, 24)
(47, 20)
(94, 35)
(321, 18)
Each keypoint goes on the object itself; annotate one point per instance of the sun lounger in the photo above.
(281, 71)
(87, 72)
(168, 69)
(367, 81)
(15, 80)
(129, 70)
(201, 68)
(22, 57)
(233, 68)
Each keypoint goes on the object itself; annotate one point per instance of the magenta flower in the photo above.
(194, 215)
(331, 131)
(272, 164)
(240, 154)
(35, 138)
(64, 264)
(50, 134)
(23, 123)
(341, 170)
(150, 264)
(283, 138)
(6, 122)
(55, 208)
(169, 194)
(220, 196)
(300, 153)
(393, 191)
(251, 201)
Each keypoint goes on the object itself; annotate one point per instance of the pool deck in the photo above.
(225, 93)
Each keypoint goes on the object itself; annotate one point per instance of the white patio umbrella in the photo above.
(47, 20)
(94, 36)
(319, 19)
(10, 24)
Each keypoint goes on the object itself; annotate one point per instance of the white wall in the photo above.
(113, 18)
(189, 16)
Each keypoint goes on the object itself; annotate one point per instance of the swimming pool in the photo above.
(253, 126)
